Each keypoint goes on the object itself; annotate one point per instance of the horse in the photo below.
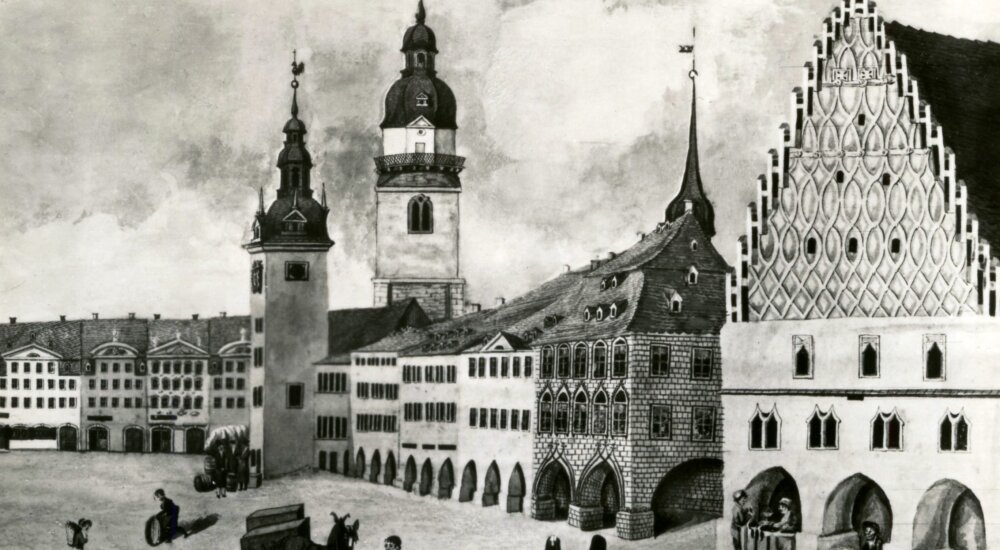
(342, 536)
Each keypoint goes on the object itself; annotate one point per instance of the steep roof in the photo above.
(350, 329)
(226, 330)
(959, 78)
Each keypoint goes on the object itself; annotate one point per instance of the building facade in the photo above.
(856, 381)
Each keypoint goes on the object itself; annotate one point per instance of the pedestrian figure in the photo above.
(553, 543)
(243, 464)
(169, 514)
(229, 464)
(871, 536)
(393, 542)
(219, 478)
(76, 533)
(742, 517)
(786, 523)
(598, 543)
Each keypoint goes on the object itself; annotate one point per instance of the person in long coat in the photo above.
(229, 463)
(219, 477)
(243, 464)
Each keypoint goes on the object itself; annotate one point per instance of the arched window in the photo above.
(613, 311)
(823, 430)
(600, 413)
(765, 430)
(600, 360)
(694, 245)
(692, 278)
(600, 313)
(811, 246)
(839, 176)
(954, 433)
(803, 348)
(852, 247)
(619, 413)
(256, 230)
(580, 361)
(614, 281)
(869, 359)
(562, 413)
(619, 365)
(548, 361)
(934, 356)
(675, 303)
(545, 413)
(563, 361)
(887, 432)
(421, 59)
(580, 413)
(420, 214)
(586, 314)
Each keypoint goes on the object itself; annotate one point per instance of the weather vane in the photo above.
(297, 69)
(689, 48)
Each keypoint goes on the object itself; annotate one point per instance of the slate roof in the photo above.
(133, 332)
(226, 330)
(959, 78)
(350, 329)
(162, 331)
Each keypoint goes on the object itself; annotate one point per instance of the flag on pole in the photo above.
(687, 48)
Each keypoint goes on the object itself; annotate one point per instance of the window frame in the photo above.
(823, 417)
(873, 340)
(423, 222)
(953, 419)
(886, 418)
(930, 340)
(806, 342)
(764, 418)
(711, 362)
(669, 423)
(663, 371)
(288, 395)
(715, 427)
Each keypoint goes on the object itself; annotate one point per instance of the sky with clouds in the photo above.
(135, 134)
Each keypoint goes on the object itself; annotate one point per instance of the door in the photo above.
(610, 500)
(194, 441)
(161, 440)
(97, 438)
(67, 438)
(133, 440)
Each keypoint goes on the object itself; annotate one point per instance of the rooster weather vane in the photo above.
(297, 69)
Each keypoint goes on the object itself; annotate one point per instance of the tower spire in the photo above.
(297, 69)
(691, 196)
(421, 13)
(323, 196)
(260, 203)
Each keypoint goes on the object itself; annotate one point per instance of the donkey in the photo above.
(342, 536)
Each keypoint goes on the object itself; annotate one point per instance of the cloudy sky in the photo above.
(134, 134)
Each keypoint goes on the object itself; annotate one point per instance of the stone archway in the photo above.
(468, 489)
(600, 497)
(359, 464)
(855, 501)
(134, 439)
(949, 515)
(390, 470)
(491, 486)
(553, 492)
(194, 441)
(515, 490)
(97, 438)
(688, 494)
(767, 488)
(426, 477)
(68, 436)
(409, 474)
(376, 467)
(446, 480)
(161, 440)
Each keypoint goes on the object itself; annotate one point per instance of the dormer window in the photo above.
(694, 245)
(604, 284)
(421, 61)
(294, 222)
(600, 313)
(256, 230)
(614, 281)
(586, 314)
(675, 303)
(421, 97)
(613, 311)
(692, 277)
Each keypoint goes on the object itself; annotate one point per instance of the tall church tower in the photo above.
(288, 304)
(418, 188)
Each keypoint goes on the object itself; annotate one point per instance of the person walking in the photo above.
(228, 464)
(219, 474)
(742, 517)
(597, 542)
(169, 516)
(553, 543)
(243, 465)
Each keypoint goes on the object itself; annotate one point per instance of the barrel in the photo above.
(210, 465)
(231, 482)
(203, 483)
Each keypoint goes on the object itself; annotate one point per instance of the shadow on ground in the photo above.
(200, 524)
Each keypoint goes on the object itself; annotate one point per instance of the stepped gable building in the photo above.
(40, 366)
(863, 308)
(109, 384)
(418, 188)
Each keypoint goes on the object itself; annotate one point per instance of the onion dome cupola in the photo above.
(418, 92)
(692, 194)
(294, 218)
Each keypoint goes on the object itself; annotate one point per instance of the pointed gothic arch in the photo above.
(949, 515)
(491, 486)
(515, 490)
(468, 489)
(376, 467)
(853, 502)
(390, 470)
(420, 214)
(446, 480)
(410, 474)
(426, 477)
(359, 464)
(553, 491)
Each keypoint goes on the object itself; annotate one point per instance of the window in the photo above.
(701, 363)
(528, 363)
(516, 373)
(675, 303)
(861, 119)
(839, 176)
(472, 417)
(619, 414)
(692, 277)
(295, 396)
(823, 430)
(296, 271)
(504, 367)
(694, 245)
(811, 246)
(257, 277)
(703, 424)
(420, 214)
(563, 361)
(548, 361)
(580, 361)
(493, 418)
(954, 433)
(493, 367)
(562, 413)
(894, 246)
(472, 367)
(802, 348)
(421, 97)
(868, 355)
(765, 430)
(580, 413)
(525, 420)
(600, 313)
(600, 360)
(886, 179)
(934, 356)
(619, 366)
(659, 422)
(545, 413)
(887, 432)
(482, 369)
(659, 360)
(483, 418)
(600, 413)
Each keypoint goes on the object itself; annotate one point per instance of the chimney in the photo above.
(131, 316)
(194, 316)
(688, 205)
(640, 235)
(62, 317)
(156, 316)
(565, 268)
(501, 301)
(222, 314)
(13, 320)
(95, 316)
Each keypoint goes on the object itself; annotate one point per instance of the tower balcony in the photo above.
(419, 162)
